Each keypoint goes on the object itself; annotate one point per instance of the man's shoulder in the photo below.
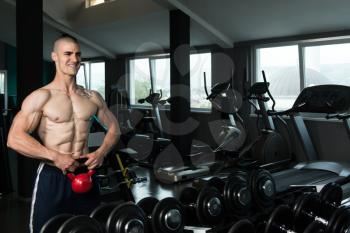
(97, 98)
(36, 99)
(40, 94)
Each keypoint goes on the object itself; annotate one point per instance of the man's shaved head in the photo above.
(64, 38)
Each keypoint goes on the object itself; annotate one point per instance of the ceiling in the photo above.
(133, 26)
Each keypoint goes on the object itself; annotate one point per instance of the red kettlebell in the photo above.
(82, 182)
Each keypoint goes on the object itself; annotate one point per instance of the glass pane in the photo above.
(281, 66)
(140, 83)
(327, 64)
(80, 78)
(162, 77)
(98, 77)
(200, 63)
(2, 83)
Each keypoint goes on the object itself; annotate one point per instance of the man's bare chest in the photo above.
(64, 108)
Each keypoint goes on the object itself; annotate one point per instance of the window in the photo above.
(200, 63)
(2, 82)
(3, 89)
(90, 3)
(91, 76)
(281, 66)
(141, 83)
(291, 68)
(327, 64)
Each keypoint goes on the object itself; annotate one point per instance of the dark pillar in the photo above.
(180, 79)
(2, 56)
(29, 73)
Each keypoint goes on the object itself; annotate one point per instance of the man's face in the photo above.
(67, 57)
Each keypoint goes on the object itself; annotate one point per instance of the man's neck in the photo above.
(64, 83)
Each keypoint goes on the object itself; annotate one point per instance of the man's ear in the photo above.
(53, 56)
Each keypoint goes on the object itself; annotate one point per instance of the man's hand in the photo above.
(65, 162)
(94, 160)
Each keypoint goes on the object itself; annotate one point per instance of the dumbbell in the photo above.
(280, 221)
(204, 207)
(235, 192)
(315, 227)
(165, 216)
(263, 188)
(242, 226)
(66, 223)
(121, 217)
(332, 193)
(309, 208)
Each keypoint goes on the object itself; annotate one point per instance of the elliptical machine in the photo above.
(270, 147)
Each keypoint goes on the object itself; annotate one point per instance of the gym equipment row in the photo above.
(214, 205)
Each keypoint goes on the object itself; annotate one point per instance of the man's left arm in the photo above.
(108, 120)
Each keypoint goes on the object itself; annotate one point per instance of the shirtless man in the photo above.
(61, 112)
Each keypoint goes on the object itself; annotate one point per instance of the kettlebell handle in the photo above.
(91, 172)
(71, 176)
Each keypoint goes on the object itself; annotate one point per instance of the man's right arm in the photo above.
(25, 122)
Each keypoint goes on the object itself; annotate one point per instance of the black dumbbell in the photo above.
(309, 208)
(204, 207)
(81, 224)
(332, 193)
(165, 216)
(315, 227)
(66, 223)
(235, 191)
(280, 221)
(54, 223)
(242, 226)
(263, 188)
(121, 217)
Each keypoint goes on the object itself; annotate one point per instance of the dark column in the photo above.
(2, 56)
(180, 79)
(29, 73)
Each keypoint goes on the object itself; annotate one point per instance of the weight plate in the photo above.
(315, 227)
(168, 216)
(237, 195)
(102, 212)
(210, 207)
(340, 221)
(280, 217)
(332, 193)
(127, 217)
(306, 203)
(242, 226)
(81, 224)
(54, 223)
(147, 204)
(263, 188)
(217, 183)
